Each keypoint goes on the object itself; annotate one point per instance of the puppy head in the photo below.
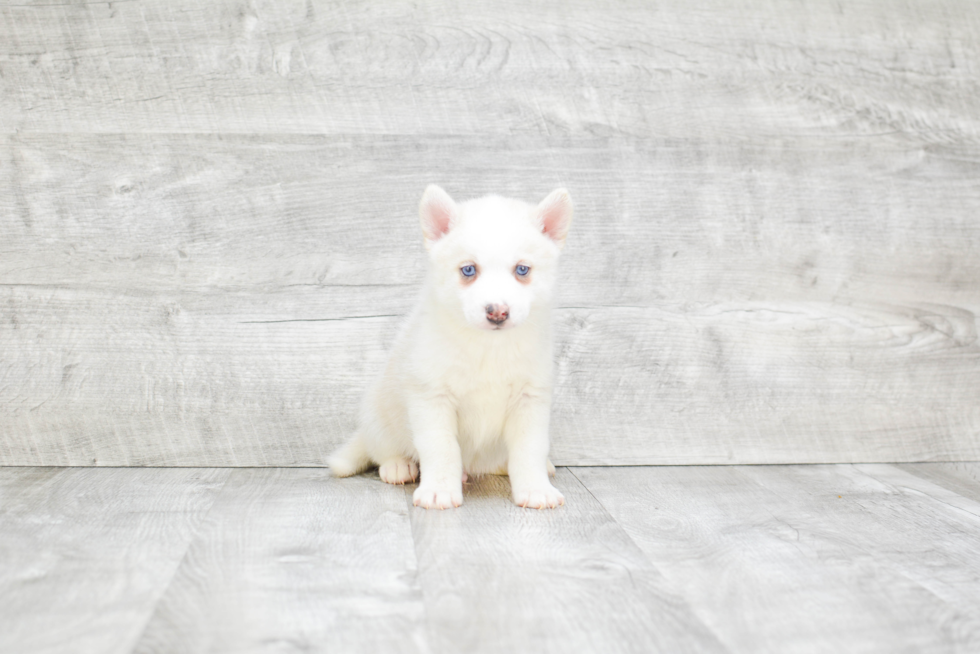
(493, 259)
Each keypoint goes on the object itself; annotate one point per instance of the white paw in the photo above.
(437, 497)
(398, 471)
(538, 497)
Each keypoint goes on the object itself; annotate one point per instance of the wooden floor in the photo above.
(833, 558)
(208, 240)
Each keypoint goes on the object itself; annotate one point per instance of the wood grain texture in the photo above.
(207, 228)
(295, 560)
(808, 558)
(503, 67)
(185, 300)
(85, 554)
(961, 478)
(496, 577)
(754, 559)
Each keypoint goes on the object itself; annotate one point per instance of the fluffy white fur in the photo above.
(467, 388)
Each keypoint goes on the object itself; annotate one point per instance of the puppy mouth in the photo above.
(496, 327)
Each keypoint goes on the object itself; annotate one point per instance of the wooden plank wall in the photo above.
(208, 231)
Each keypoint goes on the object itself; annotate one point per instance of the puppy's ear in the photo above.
(437, 213)
(555, 215)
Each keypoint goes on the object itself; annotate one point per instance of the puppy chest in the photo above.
(481, 413)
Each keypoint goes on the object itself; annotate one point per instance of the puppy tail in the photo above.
(351, 459)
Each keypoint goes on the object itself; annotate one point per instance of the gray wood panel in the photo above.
(808, 558)
(855, 558)
(961, 478)
(738, 70)
(295, 560)
(496, 577)
(207, 225)
(194, 300)
(85, 554)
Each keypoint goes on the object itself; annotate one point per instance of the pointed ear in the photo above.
(437, 213)
(555, 215)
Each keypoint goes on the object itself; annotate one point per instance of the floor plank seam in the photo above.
(719, 638)
(952, 507)
(190, 542)
(408, 494)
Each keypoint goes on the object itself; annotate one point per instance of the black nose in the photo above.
(497, 313)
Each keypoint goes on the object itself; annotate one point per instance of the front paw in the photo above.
(434, 496)
(538, 497)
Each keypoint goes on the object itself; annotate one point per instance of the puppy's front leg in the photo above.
(526, 435)
(434, 426)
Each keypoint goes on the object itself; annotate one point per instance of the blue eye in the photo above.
(522, 270)
(468, 270)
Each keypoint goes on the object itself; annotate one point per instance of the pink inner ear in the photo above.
(437, 212)
(556, 215)
(439, 217)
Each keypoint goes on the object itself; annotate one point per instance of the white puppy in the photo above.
(467, 389)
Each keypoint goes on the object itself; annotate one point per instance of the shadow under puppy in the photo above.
(467, 387)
